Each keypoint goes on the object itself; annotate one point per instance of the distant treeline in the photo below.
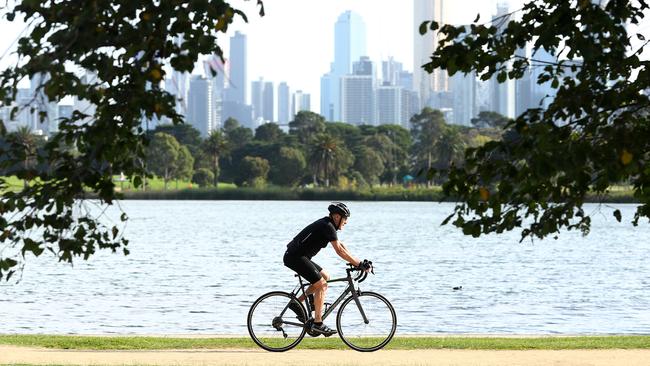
(315, 152)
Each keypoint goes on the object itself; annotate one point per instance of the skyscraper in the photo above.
(238, 68)
(424, 45)
(284, 103)
(301, 102)
(389, 104)
(349, 46)
(501, 94)
(200, 107)
(234, 102)
(390, 71)
(358, 94)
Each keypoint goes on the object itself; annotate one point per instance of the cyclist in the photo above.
(305, 246)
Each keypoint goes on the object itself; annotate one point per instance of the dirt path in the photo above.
(21, 355)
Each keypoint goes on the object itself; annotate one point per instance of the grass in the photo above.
(402, 343)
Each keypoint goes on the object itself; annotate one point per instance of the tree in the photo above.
(25, 144)
(269, 132)
(124, 45)
(184, 168)
(328, 158)
(306, 125)
(427, 130)
(215, 146)
(487, 119)
(392, 155)
(592, 135)
(253, 171)
(162, 156)
(203, 177)
(238, 137)
(370, 164)
(288, 167)
(183, 133)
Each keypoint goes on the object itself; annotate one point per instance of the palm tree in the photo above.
(328, 158)
(28, 143)
(215, 146)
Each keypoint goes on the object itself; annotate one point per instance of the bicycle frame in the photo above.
(349, 289)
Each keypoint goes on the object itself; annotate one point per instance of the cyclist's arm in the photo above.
(344, 253)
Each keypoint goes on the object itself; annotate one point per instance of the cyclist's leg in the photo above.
(308, 270)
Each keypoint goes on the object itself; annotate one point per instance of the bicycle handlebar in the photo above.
(362, 273)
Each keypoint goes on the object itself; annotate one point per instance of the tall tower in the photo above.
(501, 94)
(200, 105)
(284, 103)
(349, 46)
(424, 45)
(238, 65)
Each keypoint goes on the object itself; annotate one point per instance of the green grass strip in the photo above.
(403, 343)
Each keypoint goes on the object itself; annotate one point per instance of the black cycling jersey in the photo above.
(313, 238)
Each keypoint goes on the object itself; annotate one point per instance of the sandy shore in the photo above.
(41, 356)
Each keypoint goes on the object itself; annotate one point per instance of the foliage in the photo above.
(487, 119)
(123, 45)
(214, 147)
(306, 125)
(238, 137)
(203, 177)
(592, 135)
(184, 167)
(269, 132)
(253, 171)
(163, 156)
(288, 167)
(369, 164)
(328, 158)
(183, 133)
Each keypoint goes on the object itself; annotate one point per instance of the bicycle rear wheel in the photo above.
(272, 325)
(370, 336)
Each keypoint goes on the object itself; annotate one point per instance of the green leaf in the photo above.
(423, 27)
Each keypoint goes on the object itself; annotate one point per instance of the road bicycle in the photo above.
(366, 321)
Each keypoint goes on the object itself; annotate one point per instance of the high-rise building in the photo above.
(358, 94)
(501, 94)
(46, 112)
(284, 103)
(465, 104)
(391, 71)
(257, 88)
(301, 102)
(234, 102)
(349, 45)
(200, 106)
(238, 68)
(523, 87)
(410, 105)
(389, 104)
(541, 94)
(424, 45)
(357, 97)
(262, 100)
(268, 102)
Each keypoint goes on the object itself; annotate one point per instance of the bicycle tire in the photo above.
(262, 322)
(378, 309)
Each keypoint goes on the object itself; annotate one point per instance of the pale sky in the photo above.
(294, 42)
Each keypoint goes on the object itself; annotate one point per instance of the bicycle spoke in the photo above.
(372, 335)
(272, 329)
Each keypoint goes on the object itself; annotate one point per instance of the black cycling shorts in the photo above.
(303, 266)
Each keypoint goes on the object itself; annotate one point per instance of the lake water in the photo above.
(196, 266)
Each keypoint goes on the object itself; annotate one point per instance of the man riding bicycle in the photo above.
(305, 246)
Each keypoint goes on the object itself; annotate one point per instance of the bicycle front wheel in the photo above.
(273, 325)
(371, 333)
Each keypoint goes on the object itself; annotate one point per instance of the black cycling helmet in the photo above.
(339, 208)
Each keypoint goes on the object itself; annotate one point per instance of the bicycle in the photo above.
(366, 327)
